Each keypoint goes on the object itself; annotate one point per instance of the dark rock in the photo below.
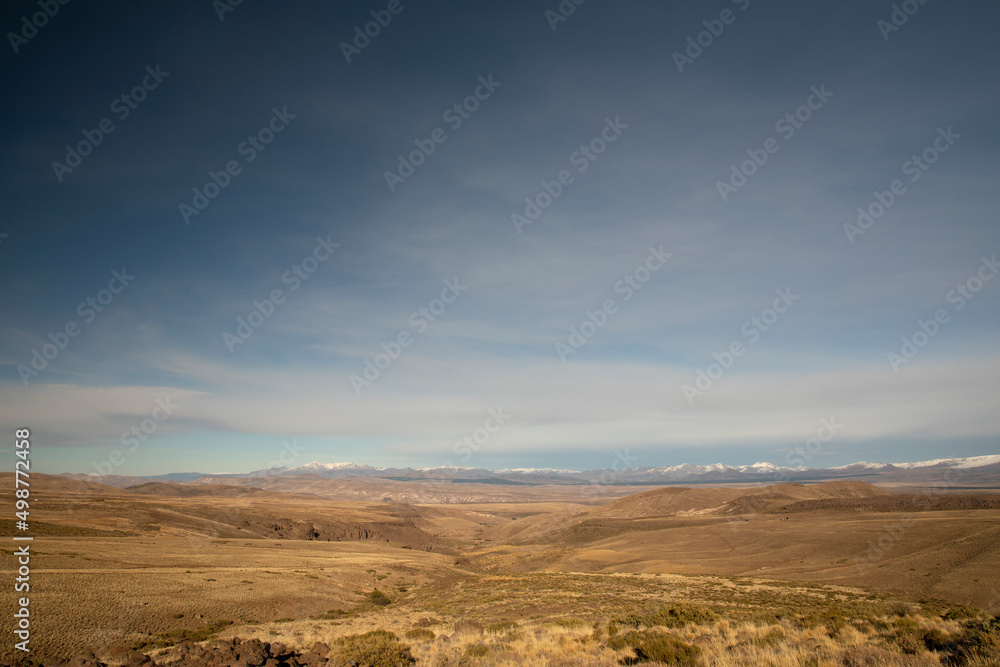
(253, 652)
(137, 659)
(311, 659)
(82, 660)
(223, 652)
(343, 662)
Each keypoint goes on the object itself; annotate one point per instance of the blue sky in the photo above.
(640, 236)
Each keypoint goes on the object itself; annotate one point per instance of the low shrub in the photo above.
(668, 616)
(662, 647)
(936, 640)
(979, 643)
(378, 598)
(378, 648)
(164, 639)
(907, 642)
(962, 612)
(477, 650)
(501, 627)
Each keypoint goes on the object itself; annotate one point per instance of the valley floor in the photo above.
(665, 575)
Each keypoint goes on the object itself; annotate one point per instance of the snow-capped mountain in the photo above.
(864, 465)
(973, 470)
(968, 462)
(538, 471)
(642, 475)
(712, 472)
(319, 468)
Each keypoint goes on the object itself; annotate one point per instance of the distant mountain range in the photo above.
(970, 472)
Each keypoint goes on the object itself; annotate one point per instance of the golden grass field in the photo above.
(831, 574)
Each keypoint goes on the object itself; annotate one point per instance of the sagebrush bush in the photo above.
(962, 612)
(662, 647)
(936, 640)
(378, 648)
(501, 626)
(668, 616)
(979, 641)
(378, 598)
(907, 642)
(164, 639)
(477, 650)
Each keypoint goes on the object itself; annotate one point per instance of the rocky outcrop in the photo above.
(219, 653)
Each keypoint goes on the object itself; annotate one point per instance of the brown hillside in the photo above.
(57, 484)
(690, 502)
(190, 490)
